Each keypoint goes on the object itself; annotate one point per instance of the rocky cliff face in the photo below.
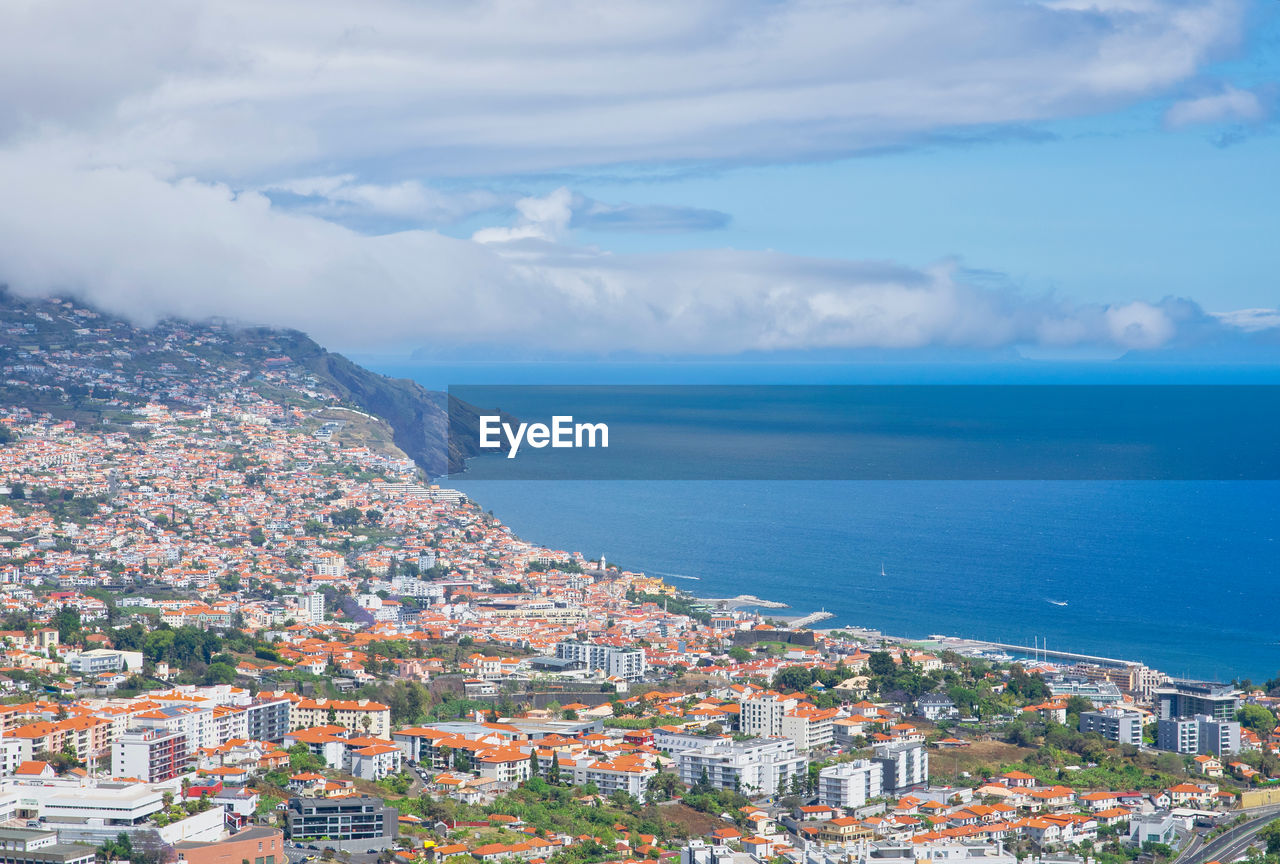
(420, 418)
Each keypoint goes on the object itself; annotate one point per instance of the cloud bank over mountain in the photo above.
(195, 158)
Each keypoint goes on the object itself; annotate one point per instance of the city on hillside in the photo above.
(239, 623)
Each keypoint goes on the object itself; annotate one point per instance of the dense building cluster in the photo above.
(237, 617)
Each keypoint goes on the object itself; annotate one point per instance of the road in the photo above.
(1231, 844)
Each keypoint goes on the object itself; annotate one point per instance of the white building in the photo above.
(103, 803)
(412, 586)
(850, 784)
(329, 564)
(810, 727)
(625, 663)
(196, 723)
(1114, 724)
(762, 714)
(761, 766)
(906, 765)
(150, 755)
(313, 605)
(98, 660)
(375, 761)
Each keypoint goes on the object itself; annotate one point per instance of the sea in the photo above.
(1174, 568)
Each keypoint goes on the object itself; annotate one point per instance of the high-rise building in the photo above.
(906, 765)
(1114, 724)
(151, 755)
(626, 663)
(1189, 698)
(268, 720)
(313, 603)
(761, 766)
(1199, 734)
(360, 817)
(850, 784)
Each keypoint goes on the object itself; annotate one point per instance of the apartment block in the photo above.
(1114, 724)
(850, 784)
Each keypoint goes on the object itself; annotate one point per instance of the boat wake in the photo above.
(1056, 602)
(677, 576)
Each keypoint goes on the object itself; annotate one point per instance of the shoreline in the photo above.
(962, 645)
(965, 645)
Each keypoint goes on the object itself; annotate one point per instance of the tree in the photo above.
(1257, 718)
(1171, 763)
(553, 775)
(119, 848)
(67, 622)
(881, 664)
(1271, 836)
(664, 786)
(1078, 705)
(1017, 733)
(219, 673)
(256, 536)
(739, 654)
(793, 679)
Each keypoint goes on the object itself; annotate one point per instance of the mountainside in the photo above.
(60, 357)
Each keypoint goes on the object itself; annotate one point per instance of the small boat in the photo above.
(882, 573)
(1056, 602)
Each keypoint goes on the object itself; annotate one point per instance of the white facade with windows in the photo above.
(762, 766)
(850, 784)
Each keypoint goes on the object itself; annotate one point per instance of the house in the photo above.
(1053, 798)
(1112, 815)
(1190, 795)
(817, 813)
(1054, 710)
(1207, 765)
(1018, 780)
(936, 706)
(1042, 832)
(35, 769)
(844, 829)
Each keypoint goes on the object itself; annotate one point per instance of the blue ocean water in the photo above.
(1180, 575)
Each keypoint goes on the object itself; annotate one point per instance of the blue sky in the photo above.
(685, 179)
(1097, 207)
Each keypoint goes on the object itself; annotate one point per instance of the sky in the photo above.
(726, 178)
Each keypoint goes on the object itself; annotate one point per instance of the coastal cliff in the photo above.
(77, 363)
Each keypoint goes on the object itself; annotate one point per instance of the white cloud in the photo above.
(140, 145)
(1229, 105)
(247, 92)
(1251, 320)
(146, 247)
(1139, 325)
(408, 199)
(540, 218)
